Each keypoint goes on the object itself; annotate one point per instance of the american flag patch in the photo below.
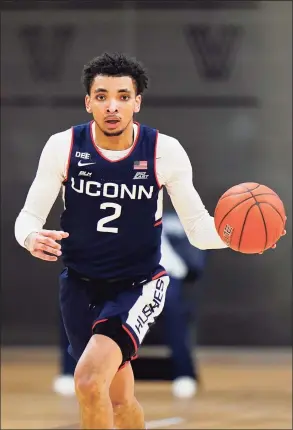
(140, 165)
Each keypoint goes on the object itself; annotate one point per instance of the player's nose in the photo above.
(112, 107)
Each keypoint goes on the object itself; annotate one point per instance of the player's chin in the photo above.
(112, 133)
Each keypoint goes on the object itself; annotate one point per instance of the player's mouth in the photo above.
(112, 123)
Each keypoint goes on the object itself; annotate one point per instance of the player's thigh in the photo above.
(122, 386)
(98, 364)
(126, 320)
(76, 313)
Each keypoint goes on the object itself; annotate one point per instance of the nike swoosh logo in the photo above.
(81, 164)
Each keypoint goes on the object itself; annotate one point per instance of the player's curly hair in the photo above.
(115, 65)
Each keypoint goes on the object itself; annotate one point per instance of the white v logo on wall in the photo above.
(47, 49)
(214, 48)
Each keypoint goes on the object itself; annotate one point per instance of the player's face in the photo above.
(112, 101)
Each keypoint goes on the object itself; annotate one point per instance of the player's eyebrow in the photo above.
(124, 90)
(103, 90)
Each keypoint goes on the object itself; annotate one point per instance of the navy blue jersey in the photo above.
(111, 208)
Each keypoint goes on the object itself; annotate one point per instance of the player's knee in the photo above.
(89, 383)
(120, 404)
(123, 398)
(125, 404)
(98, 365)
(87, 387)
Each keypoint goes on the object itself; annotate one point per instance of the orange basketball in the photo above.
(250, 218)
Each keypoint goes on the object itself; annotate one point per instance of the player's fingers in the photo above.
(54, 234)
(43, 247)
(284, 232)
(40, 239)
(42, 256)
(64, 234)
(48, 241)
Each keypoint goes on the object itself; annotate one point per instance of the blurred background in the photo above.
(221, 83)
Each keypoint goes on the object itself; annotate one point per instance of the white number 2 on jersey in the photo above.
(117, 212)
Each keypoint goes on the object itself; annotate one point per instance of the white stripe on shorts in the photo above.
(148, 306)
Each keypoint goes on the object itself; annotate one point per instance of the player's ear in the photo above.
(137, 104)
(87, 104)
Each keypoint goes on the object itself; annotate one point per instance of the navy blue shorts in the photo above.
(122, 310)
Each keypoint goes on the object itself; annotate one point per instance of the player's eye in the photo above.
(125, 98)
(100, 97)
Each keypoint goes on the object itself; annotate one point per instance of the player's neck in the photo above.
(114, 143)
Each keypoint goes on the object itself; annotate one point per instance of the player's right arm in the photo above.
(174, 171)
(42, 194)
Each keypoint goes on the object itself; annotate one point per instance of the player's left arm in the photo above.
(174, 171)
(41, 196)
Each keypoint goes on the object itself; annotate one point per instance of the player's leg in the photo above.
(93, 376)
(98, 356)
(128, 413)
(138, 308)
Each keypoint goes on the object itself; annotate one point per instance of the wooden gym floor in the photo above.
(240, 390)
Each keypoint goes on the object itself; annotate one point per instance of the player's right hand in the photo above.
(44, 244)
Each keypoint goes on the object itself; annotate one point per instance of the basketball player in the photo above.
(112, 288)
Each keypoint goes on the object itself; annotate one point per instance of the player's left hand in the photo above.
(275, 245)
